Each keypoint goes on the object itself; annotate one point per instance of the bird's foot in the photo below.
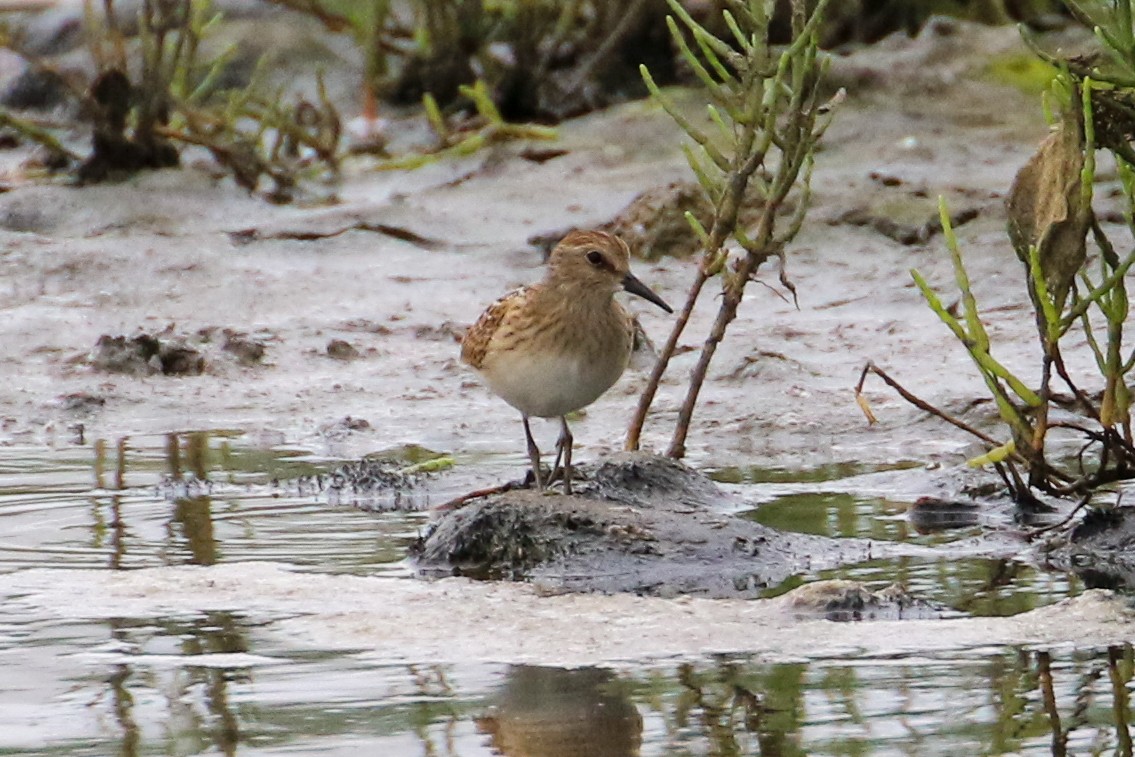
(540, 484)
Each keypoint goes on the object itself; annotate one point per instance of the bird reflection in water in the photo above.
(554, 712)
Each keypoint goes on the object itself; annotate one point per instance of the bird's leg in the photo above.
(557, 471)
(563, 447)
(533, 455)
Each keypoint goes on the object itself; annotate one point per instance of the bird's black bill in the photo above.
(634, 286)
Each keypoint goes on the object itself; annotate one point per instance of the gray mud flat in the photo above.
(642, 524)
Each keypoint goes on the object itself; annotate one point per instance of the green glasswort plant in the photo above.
(1051, 220)
(765, 105)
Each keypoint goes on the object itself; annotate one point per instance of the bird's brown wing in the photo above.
(477, 338)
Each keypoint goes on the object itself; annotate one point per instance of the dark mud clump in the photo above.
(145, 355)
(245, 349)
(170, 354)
(641, 524)
(1101, 549)
(842, 601)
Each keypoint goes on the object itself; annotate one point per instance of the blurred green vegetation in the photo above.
(479, 66)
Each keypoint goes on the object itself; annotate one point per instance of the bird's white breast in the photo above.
(550, 384)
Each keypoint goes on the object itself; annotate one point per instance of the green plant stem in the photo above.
(36, 134)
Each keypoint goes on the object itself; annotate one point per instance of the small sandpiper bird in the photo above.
(554, 347)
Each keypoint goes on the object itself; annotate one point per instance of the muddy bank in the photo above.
(353, 307)
(640, 523)
(203, 255)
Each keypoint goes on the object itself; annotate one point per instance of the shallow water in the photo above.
(216, 683)
(974, 585)
(208, 684)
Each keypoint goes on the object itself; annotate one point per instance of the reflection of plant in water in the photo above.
(1084, 706)
(434, 702)
(738, 716)
(1007, 704)
(210, 633)
(1120, 672)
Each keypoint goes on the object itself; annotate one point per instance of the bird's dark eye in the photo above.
(595, 257)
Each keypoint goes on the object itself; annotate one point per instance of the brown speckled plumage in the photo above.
(476, 341)
(554, 347)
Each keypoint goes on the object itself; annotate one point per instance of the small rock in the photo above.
(931, 514)
(843, 600)
(247, 350)
(340, 349)
(80, 402)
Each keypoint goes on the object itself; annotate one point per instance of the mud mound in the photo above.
(1101, 549)
(642, 524)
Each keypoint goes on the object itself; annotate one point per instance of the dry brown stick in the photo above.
(634, 432)
(922, 404)
(458, 502)
(1063, 522)
(333, 22)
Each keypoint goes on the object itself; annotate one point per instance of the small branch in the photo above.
(1036, 532)
(333, 22)
(634, 431)
(458, 502)
(925, 406)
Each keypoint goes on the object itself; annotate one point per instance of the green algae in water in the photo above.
(835, 514)
(841, 515)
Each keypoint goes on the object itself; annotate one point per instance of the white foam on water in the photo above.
(461, 621)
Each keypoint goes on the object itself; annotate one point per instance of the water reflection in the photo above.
(191, 498)
(555, 712)
(172, 686)
(983, 586)
(194, 518)
(841, 514)
(1012, 701)
(199, 712)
